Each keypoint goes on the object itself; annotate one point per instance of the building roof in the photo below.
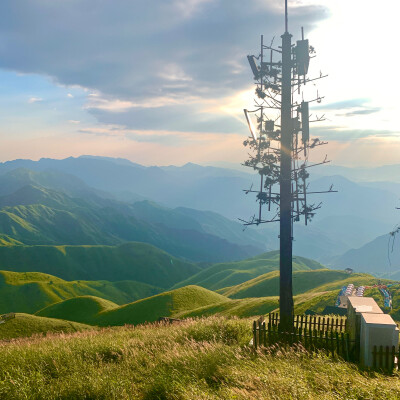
(364, 305)
(378, 319)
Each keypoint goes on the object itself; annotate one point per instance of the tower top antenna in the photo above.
(286, 16)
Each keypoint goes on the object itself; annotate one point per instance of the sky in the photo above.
(164, 82)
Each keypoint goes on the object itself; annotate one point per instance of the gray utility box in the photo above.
(376, 330)
(355, 307)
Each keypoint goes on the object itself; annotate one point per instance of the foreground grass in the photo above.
(203, 359)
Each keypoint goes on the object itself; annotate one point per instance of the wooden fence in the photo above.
(322, 334)
(314, 333)
(385, 358)
(312, 323)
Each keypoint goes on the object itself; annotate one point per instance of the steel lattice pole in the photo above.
(286, 292)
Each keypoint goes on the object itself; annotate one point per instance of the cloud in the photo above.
(71, 96)
(350, 107)
(341, 134)
(167, 138)
(343, 105)
(365, 111)
(137, 54)
(34, 100)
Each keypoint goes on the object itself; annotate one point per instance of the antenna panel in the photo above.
(253, 66)
(305, 122)
(302, 51)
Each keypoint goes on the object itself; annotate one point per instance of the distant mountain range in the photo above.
(381, 257)
(33, 213)
(189, 211)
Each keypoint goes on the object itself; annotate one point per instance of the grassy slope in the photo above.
(93, 310)
(31, 291)
(36, 224)
(303, 281)
(85, 309)
(251, 307)
(25, 325)
(196, 360)
(222, 275)
(131, 261)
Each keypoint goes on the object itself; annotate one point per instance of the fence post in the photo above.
(326, 338)
(380, 356)
(343, 346)
(347, 346)
(387, 354)
(332, 344)
(337, 343)
(305, 338)
(392, 356)
(264, 334)
(319, 323)
(272, 334)
(255, 335)
(374, 357)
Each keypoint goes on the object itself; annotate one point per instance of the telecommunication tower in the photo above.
(280, 146)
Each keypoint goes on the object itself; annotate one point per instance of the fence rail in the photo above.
(312, 323)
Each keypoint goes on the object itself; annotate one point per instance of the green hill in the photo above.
(25, 325)
(96, 311)
(189, 301)
(31, 291)
(35, 215)
(85, 309)
(38, 224)
(130, 261)
(303, 281)
(253, 307)
(222, 275)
